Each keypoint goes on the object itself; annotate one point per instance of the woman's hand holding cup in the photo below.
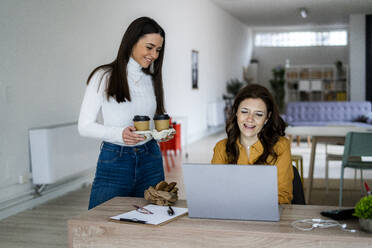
(131, 138)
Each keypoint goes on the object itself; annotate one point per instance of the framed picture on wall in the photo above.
(194, 69)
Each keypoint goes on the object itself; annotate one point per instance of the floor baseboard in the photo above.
(32, 200)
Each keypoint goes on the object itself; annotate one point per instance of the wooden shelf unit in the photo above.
(317, 83)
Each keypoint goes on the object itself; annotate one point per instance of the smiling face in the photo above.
(251, 117)
(147, 49)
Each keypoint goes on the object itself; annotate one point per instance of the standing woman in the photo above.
(255, 135)
(130, 85)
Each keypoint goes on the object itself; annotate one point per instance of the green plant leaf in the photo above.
(363, 208)
(233, 86)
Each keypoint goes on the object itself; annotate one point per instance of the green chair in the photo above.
(356, 145)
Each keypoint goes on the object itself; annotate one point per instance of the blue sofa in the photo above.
(329, 113)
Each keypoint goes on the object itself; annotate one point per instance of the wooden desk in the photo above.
(326, 134)
(93, 229)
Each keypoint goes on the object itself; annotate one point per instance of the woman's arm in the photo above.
(92, 103)
(285, 171)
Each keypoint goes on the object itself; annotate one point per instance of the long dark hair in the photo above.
(118, 83)
(269, 134)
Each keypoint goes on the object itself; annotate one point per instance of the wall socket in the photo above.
(25, 178)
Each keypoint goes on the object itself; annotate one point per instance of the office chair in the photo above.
(330, 156)
(298, 161)
(298, 191)
(356, 145)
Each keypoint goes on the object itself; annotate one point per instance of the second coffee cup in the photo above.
(161, 122)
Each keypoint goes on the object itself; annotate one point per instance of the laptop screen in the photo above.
(241, 192)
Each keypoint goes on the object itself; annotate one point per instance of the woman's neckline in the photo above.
(249, 145)
(133, 65)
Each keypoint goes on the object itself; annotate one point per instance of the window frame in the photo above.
(315, 38)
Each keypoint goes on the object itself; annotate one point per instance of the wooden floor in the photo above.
(46, 225)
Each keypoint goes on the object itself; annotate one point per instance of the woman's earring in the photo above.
(265, 122)
(152, 68)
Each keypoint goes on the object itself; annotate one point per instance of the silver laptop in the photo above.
(238, 192)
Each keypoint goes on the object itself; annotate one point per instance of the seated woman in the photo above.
(255, 135)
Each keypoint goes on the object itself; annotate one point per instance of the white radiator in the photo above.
(59, 152)
(215, 113)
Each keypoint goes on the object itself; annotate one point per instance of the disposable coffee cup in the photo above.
(141, 122)
(161, 122)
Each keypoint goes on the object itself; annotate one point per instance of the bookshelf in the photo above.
(317, 83)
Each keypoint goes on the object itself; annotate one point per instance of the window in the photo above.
(301, 39)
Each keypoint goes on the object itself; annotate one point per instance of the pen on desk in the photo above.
(133, 220)
(170, 211)
(367, 188)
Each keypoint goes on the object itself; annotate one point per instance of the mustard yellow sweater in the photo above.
(283, 163)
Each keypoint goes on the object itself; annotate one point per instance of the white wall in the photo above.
(357, 37)
(48, 48)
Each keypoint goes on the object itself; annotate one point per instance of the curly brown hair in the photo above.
(270, 133)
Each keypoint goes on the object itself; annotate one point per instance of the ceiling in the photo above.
(286, 12)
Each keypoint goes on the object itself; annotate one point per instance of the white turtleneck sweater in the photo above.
(116, 116)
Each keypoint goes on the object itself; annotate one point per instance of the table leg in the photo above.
(311, 170)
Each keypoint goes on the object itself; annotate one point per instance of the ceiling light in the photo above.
(303, 12)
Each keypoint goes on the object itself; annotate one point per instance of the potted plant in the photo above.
(363, 210)
(277, 85)
(233, 86)
(340, 69)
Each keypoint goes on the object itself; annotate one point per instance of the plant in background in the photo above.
(277, 85)
(363, 209)
(233, 86)
(340, 69)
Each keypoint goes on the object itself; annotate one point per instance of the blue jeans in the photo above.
(126, 171)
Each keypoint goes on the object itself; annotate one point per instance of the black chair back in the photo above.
(298, 191)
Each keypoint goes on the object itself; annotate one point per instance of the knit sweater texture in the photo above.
(116, 116)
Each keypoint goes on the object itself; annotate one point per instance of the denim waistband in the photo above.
(122, 149)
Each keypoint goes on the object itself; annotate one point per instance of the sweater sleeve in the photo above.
(285, 171)
(92, 104)
(219, 153)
